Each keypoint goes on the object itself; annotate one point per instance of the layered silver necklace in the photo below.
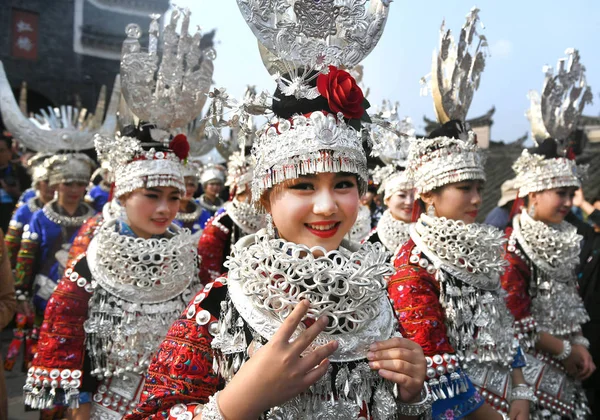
(140, 286)
(362, 226)
(467, 261)
(32, 204)
(209, 206)
(392, 232)
(66, 220)
(552, 253)
(191, 216)
(268, 277)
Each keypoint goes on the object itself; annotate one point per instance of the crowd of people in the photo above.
(331, 268)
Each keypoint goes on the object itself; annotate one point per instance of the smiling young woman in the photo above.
(543, 254)
(347, 359)
(139, 264)
(446, 252)
(399, 197)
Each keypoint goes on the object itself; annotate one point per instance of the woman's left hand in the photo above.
(402, 361)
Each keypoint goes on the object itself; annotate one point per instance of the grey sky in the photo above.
(523, 36)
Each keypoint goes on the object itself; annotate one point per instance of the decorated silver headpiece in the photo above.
(436, 162)
(391, 137)
(61, 128)
(301, 37)
(37, 167)
(168, 91)
(212, 172)
(555, 115)
(304, 46)
(69, 167)
(239, 172)
(136, 168)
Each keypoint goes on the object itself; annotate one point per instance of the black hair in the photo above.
(142, 133)
(454, 129)
(287, 106)
(548, 148)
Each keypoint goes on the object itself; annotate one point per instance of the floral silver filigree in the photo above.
(305, 35)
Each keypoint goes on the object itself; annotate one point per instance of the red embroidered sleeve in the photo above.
(415, 296)
(13, 241)
(62, 336)
(211, 248)
(515, 281)
(25, 263)
(181, 370)
(85, 235)
(61, 346)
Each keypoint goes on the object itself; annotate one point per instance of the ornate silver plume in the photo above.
(299, 37)
(457, 69)
(63, 128)
(391, 135)
(170, 89)
(564, 95)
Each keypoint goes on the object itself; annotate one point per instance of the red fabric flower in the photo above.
(342, 93)
(180, 146)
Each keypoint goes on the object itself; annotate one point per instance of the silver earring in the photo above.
(270, 225)
(431, 210)
(531, 211)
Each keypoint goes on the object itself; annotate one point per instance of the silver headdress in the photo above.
(436, 162)
(298, 38)
(166, 90)
(37, 168)
(303, 45)
(239, 172)
(391, 137)
(62, 128)
(69, 167)
(136, 168)
(212, 172)
(169, 91)
(307, 145)
(554, 115)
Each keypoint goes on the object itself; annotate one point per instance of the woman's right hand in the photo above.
(579, 364)
(278, 371)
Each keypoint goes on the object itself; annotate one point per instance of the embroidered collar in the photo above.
(392, 232)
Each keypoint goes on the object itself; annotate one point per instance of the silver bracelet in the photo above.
(566, 352)
(211, 411)
(419, 408)
(522, 392)
(580, 340)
